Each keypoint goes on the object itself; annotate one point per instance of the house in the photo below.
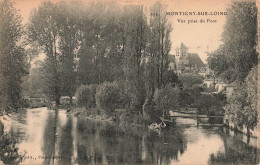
(216, 83)
(185, 62)
(209, 82)
(230, 89)
(220, 86)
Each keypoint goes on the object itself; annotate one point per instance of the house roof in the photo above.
(194, 60)
(183, 46)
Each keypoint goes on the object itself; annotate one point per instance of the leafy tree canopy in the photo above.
(237, 55)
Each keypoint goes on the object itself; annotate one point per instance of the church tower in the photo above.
(181, 58)
(186, 62)
(181, 53)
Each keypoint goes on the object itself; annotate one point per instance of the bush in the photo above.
(85, 96)
(166, 99)
(210, 104)
(134, 96)
(190, 79)
(109, 96)
(149, 110)
(172, 78)
(9, 151)
(188, 96)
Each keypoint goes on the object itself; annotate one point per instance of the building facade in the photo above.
(184, 62)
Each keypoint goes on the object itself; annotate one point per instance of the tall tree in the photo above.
(160, 41)
(68, 20)
(100, 53)
(92, 50)
(43, 31)
(235, 58)
(242, 106)
(135, 34)
(11, 57)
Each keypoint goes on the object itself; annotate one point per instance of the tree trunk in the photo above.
(71, 103)
(248, 131)
(57, 101)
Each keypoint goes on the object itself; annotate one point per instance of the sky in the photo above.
(198, 37)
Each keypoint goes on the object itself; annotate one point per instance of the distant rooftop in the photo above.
(183, 46)
(194, 60)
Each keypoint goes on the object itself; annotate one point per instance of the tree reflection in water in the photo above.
(65, 143)
(66, 139)
(101, 142)
(49, 138)
(235, 152)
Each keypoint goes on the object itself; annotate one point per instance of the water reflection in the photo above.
(235, 151)
(52, 137)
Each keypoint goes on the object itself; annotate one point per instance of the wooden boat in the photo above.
(154, 126)
(169, 121)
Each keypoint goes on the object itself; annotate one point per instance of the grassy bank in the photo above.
(92, 113)
(123, 119)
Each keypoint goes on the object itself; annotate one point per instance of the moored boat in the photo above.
(170, 121)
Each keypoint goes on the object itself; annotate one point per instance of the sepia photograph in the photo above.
(129, 82)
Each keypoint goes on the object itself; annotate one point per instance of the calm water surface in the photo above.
(49, 137)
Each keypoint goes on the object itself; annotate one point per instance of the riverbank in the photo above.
(90, 114)
(121, 119)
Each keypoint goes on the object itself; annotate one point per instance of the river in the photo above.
(53, 137)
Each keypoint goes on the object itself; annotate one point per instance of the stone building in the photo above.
(184, 62)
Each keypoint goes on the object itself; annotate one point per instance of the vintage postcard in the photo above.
(127, 82)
